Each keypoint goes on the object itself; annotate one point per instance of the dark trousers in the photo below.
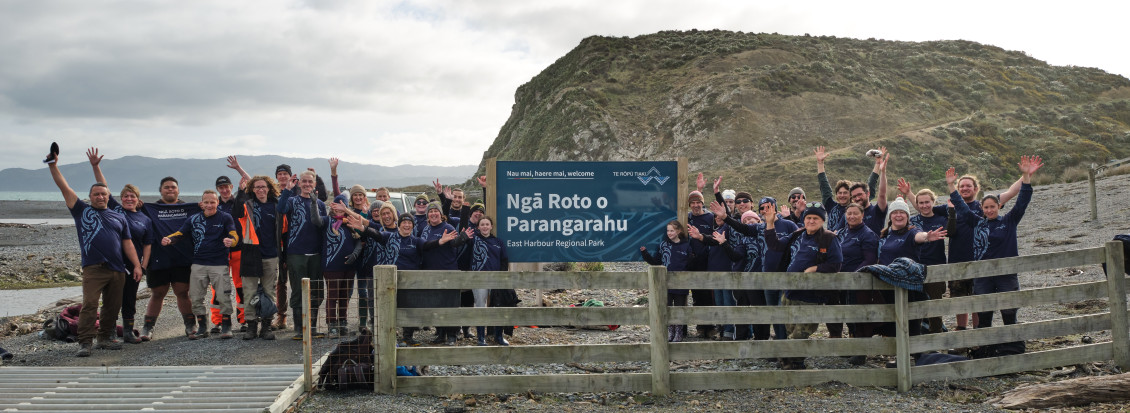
(997, 284)
(99, 282)
(129, 298)
(305, 266)
(746, 331)
(339, 286)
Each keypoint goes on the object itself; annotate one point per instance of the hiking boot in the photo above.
(252, 330)
(147, 328)
(482, 333)
(83, 350)
(265, 333)
(225, 328)
(214, 330)
(498, 338)
(297, 330)
(202, 326)
(450, 341)
(189, 326)
(108, 343)
(242, 327)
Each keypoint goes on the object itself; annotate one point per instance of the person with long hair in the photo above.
(488, 254)
(675, 254)
(994, 235)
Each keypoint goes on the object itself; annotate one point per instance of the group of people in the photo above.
(843, 231)
(258, 237)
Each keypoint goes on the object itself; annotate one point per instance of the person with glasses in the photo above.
(256, 214)
(994, 235)
(796, 206)
(810, 249)
(421, 213)
(836, 202)
(702, 219)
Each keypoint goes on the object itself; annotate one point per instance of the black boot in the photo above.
(127, 332)
(467, 332)
(265, 333)
(252, 330)
(482, 331)
(225, 327)
(297, 326)
(498, 338)
(147, 328)
(189, 326)
(202, 326)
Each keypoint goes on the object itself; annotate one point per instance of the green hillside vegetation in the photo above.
(752, 107)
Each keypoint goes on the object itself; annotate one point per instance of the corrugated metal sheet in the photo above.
(133, 389)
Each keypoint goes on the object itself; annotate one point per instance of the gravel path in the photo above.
(1056, 221)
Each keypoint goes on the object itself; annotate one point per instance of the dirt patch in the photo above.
(1084, 307)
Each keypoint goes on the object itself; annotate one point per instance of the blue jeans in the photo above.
(773, 297)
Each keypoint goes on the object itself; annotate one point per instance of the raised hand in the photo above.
(784, 209)
(821, 155)
(882, 155)
(717, 209)
(93, 156)
(700, 182)
(936, 234)
(881, 161)
(470, 232)
(951, 176)
(233, 163)
(693, 232)
(356, 222)
(771, 214)
(719, 237)
(904, 188)
(717, 183)
(447, 192)
(243, 181)
(438, 186)
(447, 236)
(333, 166)
(482, 181)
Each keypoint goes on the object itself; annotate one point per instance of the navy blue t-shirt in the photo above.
(673, 256)
(100, 235)
(961, 240)
(898, 244)
(442, 257)
(207, 237)
(303, 238)
(488, 254)
(167, 219)
(705, 225)
(933, 252)
(139, 228)
(874, 217)
(995, 238)
(860, 247)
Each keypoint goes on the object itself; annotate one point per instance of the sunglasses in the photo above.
(421, 202)
(792, 197)
(764, 207)
(742, 201)
(814, 205)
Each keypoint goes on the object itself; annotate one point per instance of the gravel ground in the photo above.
(1056, 221)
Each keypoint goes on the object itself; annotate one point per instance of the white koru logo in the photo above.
(653, 174)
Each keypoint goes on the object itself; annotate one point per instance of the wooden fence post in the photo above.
(1116, 283)
(657, 319)
(1091, 196)
(384, 329)
(902, 340)
(307, 350)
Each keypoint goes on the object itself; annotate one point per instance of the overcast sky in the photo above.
(385, 82)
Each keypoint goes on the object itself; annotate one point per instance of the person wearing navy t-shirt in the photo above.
(675, 253)
(108, 257)
(212, 233)
(859, 247)
(338, 243)
(698, 217)
(931, 253)
(141, 232)
(806, 254)
(170, 266)
(836, 202)
(303, 246)
(902, 240)
(441, 258)
(994, 235)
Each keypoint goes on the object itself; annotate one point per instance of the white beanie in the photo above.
(729, 194)
(897, 205)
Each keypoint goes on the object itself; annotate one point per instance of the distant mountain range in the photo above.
(196, 175)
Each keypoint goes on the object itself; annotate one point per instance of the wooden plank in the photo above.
(1015, 332)
(711, 350)
(550, 383)
(384, 335)
(570, 280)
(657, 324)
(1011, 299)
(780, 378)
(1116, 285)
(462, 356)
(1014, 265)
(902, 340)
(1013, 364)
(782, 314)
(520, 316)
(775, 281)
(307, 343)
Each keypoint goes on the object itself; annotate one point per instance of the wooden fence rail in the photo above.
(659, 353)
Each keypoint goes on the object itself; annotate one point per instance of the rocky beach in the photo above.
(1057, 220)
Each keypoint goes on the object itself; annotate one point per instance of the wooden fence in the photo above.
(660, 380)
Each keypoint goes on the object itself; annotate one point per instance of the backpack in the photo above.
(64, 326)
(824, 240)
(349, 365)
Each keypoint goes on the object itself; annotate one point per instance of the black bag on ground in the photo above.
(349, 365)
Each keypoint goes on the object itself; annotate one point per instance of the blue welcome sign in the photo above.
(583, 211)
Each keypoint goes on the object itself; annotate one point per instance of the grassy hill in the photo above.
(752, 107)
